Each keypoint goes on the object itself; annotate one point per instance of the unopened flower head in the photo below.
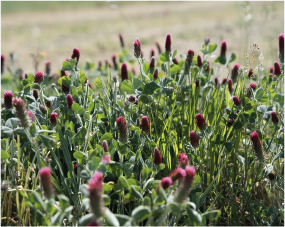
(188, 61)
(151, 52)
(270, 69)
(224, 81)
(64, 88)
(53, 118)
(182, 160)
(194, 139)
(230, 122)
(36, 94)
(237, 101)
(253, 86)
(123, 129)
(8, 99)
(136, 102)
(121, 40)
(114, 57)
(69, 100)
(207, 70)
(137, 48)
(281, 47)
(158, 47)
(168, 43)
(234, 73)
(157, 159)
(75, 54)
(155, 73)
(199, 61)
(95, 194)
(152, 62)
(274, 118)
(257, 147)
(230, 85)
(21, 112)
(43, 109)
(271, 176)
(145, 124)
(197, 83)
(223, 48)
(39, 77)
(277, 69)
(47, 64)
(177, 174)
(105, 146)
(49, 105)
(216, 82)
(75, 168)
(45, 175)
(2, 63)
(166, 182)
(175, 61)
(124, 72)
(200, 121)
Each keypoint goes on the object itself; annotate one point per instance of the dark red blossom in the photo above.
(137, 48)
(132, 98)
(145, 124)
(188, 61)
(177, 174)
(234, 73)
(152, 62)
(151, 52)
(224, 81)
(158, 47)
(155, 73)
(277, 69)
(75, 54)
(199, 61)
(194, 139)
(123, 129)
(53, 118)
(39, 77)
(230, 85)
(207, 70)
(216, 82)
(114, 57)
(253, 86)
(166, 182)
(157, 159)
(200, 121)
(36, 94)
(105, 146)
(271, 176)
(21, 112)
(168, 43)
(281, 47)
(2, 63)
(230, 122)
(250, 73)
(257, 147)
(237, 101)
(182, 160)
(223, 48)
(174, 60)
(49, 105)
(75, 168)
(270, 69)
(95, 194)
(197, 83)
(47, 64)
(64, 88)
(124, 72)
(8, 99)
(274, 118)
(121, 40)
(69, 100)
(46, 183)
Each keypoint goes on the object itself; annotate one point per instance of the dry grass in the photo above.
(94, 28)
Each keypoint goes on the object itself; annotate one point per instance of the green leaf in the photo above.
(127, 86)
(194, 216)
(123, 182)
(150, 88)
(6, 131)
(146, 67)
(48, 141)
(164, 57)
(111, 218)
(136, 83)
(82, 77)
(211, 47)
(141, 213)
(107, 136)
(81, 110)
(122, 218)
(136, 192)
(261, 109)
(277, 156)
(174, 54)
(175, 208)
(212, 215)
(79, 154)
(221, 59)
(232, 57)
(66, 66)
(4, 155)
(229, 145)
(163, 67)
(83, 221)
(99, 83)
(144, 99)
(75, 107)
(38, 198)
(106, 199)
(66, 81)
(259, 93)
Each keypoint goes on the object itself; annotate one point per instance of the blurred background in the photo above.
(53, 29)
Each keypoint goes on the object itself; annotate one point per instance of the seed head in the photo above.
(21, 112)
(168, 43)
(177, 174)
(253, 86)
(123, 129)
(230, 85)
(43, 109)
(274, 118)
(277, 69)
(200, 121)
(158, 47)
(39, 77)
(48, 67)
(105, 145)
(155, 73)
(223, 48)
(234, 73)
(36, 94)
(231, 121)
(115, 78)
(166, 182)
(199, 61)
(69, 100)
(194, 139)
(137, 48)
(106, 159)
(182, 160)
(237, 101)
(145, 124)
(124, 72)
(188, 61)
(8, 99)
(281, 47)
(45, 176)
(95, 194)
(121, 40)
(75, 54)
(257, 147)
(152, 62)
(157, 159)
(52, 118)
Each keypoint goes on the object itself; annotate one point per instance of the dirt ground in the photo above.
(94, 29)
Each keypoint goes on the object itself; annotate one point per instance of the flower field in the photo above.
(166, 141)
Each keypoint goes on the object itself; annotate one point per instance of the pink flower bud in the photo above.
(106, 159)
(47, 67)
(95, 194)
(250, 73)
(157, 159)
(121, 40)
(223, 48)
(124, 72)
(75, 169)
(194, 139)
(75, 54)
(105, 145)
(36, 94)
(257, 147)
(151, 52)
(155, 74)
(8, 99)
(39, 77)
(230, 85)
(199, 61)
(237, 101)
(158, 47)
(21, 112)
(182, 160)
(234, 73)
(69, 100)
(166, 182)
(188, 61)
(185, 186)
(45, 176)
(137, 48)
(177, 174)
(253, 86)
(281, 47)
(216, 82)
(152, 62)
(132, 98)
(224, 81)
(93, 223)
(123, 130)
(168, 43)
(145, 124)
(2, 63)
(277, 69)
(52, 118)
(43, 109)
(174, 60)
(200, 121)
(230, 122)
(274, 118)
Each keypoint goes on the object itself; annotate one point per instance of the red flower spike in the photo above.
(124, 72)
(145, 124)
(177, 174)
(36, 94)
(64, 88)
(281, 47)
(200, 121)
(75, 54)
(52, 118)
(106, 159)
(8, 99)
(62, 73)
(237, 101)
(155, 74)
(253, 86)
(277, 69)
(188, 61)
(123, 130)
(21, 112)
(114, 57)
(46, 183)
(151, 53)
(182, 160)
(69, 100)
(166, 182)
(121, 40)
(230, 85)
(47, 64)
(158, 47)
(224, 81)
(274, 118)
(216, 82)
(157, 159)
(194, 139)
(230, 122)
(168, 43)
(223, 48)
(105, 146)
(39, 77)
(234, 73)
(199, 61)
(95, 194)
(137, 48)
(152, 63)
(257, 147)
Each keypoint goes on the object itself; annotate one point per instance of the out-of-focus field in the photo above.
(93, 27)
